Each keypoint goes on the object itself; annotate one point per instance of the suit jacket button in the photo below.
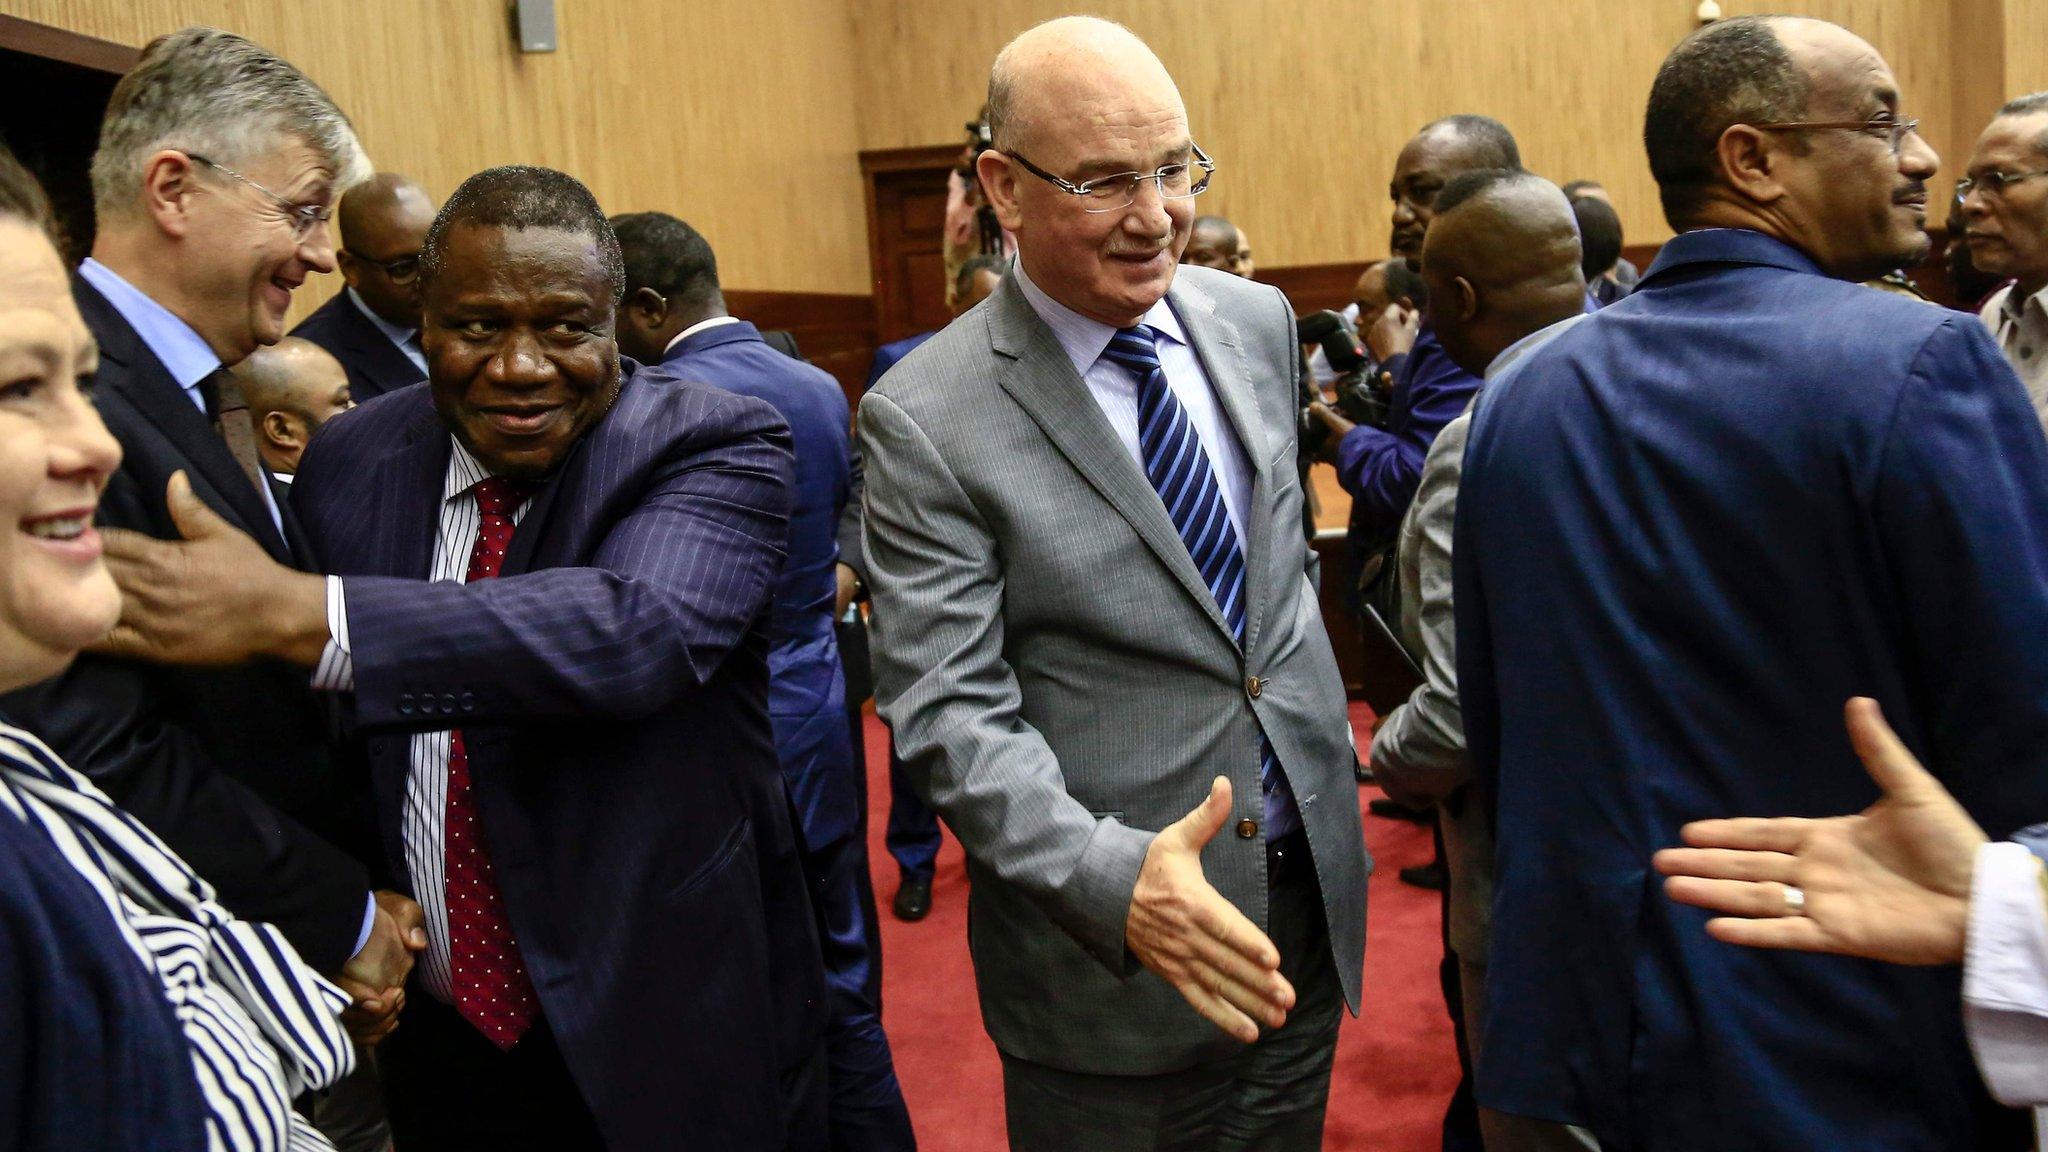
(1253, 686)
(405, 704)
(448, 704)
(468, 702)
(1247, 828)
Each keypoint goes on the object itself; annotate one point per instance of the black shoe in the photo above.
(1395, 810)
(1430, 876)
(913, 898)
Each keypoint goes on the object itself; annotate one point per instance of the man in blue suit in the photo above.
(373, 325)
(549, 621)
(674, 320)
(913, 833)
(1689, 529)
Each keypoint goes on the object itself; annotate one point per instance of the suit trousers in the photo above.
(450, 1090)
(1503, 1132)
(1268, 1097)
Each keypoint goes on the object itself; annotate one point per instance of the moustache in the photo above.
(1912, 193)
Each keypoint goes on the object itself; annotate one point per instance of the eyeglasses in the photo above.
(1894, 131)
(1118, 191)
(403, 270)
(1994, 183)
(304, 217)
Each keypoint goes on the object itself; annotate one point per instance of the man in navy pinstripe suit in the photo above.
(547, 611)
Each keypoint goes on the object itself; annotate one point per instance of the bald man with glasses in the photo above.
(1096, 639)
(373, 325)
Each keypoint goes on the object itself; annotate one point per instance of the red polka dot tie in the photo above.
(492, 989)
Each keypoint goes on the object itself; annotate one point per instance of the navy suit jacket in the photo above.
(1688, 530)
(231, 766)
(373, 363)
(806, 685)
(611, 687)
(888, 354)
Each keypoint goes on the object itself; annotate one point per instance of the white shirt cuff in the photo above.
(336, 671)
(369, 924)
(2005, 974)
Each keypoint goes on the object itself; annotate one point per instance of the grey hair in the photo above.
(212, 92)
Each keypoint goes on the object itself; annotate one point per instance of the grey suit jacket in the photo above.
(1060, 682)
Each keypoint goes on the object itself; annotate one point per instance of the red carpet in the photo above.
(1395, 1065)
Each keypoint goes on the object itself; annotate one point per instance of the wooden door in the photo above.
(54, 86)
(906, 194)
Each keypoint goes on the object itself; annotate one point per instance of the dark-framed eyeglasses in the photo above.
(1893, 131)
(403, 270)
(1119, 190)
(1993, 183)
(304, 217)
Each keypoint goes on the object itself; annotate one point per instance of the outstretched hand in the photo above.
(1183, 929)
(214, 597)
(375, 977)
(1890, 884)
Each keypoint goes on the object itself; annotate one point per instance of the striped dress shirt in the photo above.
(262, 1027)
(426, 786)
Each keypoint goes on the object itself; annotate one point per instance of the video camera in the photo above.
(1359, 395)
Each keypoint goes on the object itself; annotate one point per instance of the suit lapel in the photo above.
(1040, 377)
(409, 502)
(147, 385)
(1221, 352)
(392, 367)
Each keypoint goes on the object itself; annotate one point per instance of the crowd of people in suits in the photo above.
(440, 726)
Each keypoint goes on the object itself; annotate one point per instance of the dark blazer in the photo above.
(806, 689)
(373, 363)
(231, 766)
(1689, 529)
(611, 687)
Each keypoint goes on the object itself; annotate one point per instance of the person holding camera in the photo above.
(1380, 465)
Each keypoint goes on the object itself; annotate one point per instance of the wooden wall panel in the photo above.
(738, 115)
(1306, 105)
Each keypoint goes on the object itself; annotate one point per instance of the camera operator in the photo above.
(1380, 466)
(970, 226)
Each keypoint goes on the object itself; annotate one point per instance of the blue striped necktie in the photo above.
(1178, 466)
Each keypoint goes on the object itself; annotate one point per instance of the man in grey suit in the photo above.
(1504, 252)
(1090, 679)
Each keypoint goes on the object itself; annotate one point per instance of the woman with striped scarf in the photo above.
(135, 1011)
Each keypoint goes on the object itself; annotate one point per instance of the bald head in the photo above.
(1082, 103)
(1049, 69)
(1501, 261)
(383, 224)
(293, 387)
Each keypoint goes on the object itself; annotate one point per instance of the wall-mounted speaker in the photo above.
(533, 25)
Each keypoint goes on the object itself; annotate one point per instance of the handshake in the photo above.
(374, 978)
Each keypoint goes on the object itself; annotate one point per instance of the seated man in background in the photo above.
(674, 321)
(292, 387)
(1502, 261)
(1624, 274)
(1212, 243)
(976, 280)
(1242, 263)
(373, 325)
(549, 622)
(1600, 239)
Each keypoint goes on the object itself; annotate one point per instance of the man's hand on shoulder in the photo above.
(1182, 928)
(216, 597)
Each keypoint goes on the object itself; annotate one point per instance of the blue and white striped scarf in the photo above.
(262, 1027)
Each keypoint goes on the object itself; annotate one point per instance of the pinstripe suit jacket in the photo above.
(1060, 681)
(611, 687)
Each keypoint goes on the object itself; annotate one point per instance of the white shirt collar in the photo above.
(464, 472)
(183, 352)
(1084, 339)
(402, 337)
(699, 326)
